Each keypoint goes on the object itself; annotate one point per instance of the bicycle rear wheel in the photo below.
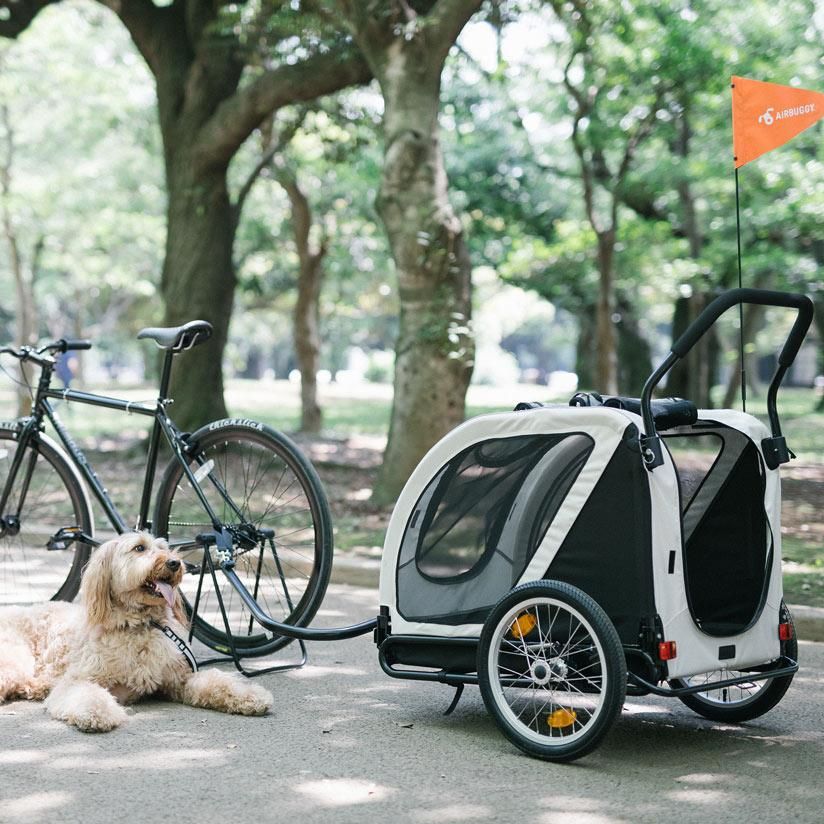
(269, 497)
(30, 572)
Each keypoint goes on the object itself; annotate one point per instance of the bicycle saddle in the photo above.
(178, 338)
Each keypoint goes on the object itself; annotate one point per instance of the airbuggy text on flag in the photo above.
(767, 115)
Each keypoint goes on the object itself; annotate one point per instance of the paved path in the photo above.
(348, 744)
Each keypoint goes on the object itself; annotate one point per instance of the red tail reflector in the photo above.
(667, 650)
(785, 632)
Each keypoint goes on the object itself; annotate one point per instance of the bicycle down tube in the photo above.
(161, 425)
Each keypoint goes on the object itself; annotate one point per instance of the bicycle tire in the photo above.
(245, 459)
(56, 498)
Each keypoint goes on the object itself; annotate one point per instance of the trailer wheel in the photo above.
(743, 702)
(551, 670)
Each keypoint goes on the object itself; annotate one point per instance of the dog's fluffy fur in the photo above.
(88, 659)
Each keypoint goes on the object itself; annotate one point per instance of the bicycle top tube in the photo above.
(91, 399)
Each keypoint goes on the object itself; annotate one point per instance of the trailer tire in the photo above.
(551, 670)
(746, 701)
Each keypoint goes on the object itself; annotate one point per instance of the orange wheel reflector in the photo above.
(561, 718)
(523, 625)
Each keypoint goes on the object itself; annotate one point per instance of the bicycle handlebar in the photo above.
(29, 353)
(71, 345)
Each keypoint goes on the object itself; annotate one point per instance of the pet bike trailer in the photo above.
(561, 557)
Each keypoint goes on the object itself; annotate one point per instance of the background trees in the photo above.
(193, 158)
(199, 52)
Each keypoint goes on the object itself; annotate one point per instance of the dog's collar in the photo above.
(182, 646)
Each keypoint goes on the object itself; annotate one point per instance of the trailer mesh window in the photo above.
(481, 519)
(728, 546)
(478, 497)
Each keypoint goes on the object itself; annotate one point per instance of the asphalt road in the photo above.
(346, 743)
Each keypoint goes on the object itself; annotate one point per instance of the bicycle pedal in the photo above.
(53, 545)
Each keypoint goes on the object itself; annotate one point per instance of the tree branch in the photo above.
(445, 21)
(150, 26)
(239, 115)
(283, 139)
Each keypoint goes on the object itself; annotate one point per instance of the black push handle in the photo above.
(762, 297)
(775, 448)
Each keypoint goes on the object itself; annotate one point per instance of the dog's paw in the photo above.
(253, 699)
(86, 706)
(226, 693)
(101, 721)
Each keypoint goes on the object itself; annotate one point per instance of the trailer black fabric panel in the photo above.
(728, 554)
(608, 551)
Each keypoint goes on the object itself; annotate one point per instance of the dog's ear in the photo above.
(179, 611)
(95, 588)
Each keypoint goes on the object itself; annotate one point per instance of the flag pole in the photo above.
(764, 117)
(740, 305)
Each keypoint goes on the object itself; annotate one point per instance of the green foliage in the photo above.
(88, 174)
(337, 160)
(85, 179)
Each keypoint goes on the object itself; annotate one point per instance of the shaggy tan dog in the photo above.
(88, 659)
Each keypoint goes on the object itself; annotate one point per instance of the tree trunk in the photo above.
(198, 284)
(307, 340)
(607, 358)
(306, 315)
(434, 351)
(694, 376)
(585, 355)
(634, 356)
(25, 326)
(696, 373)
(26, 333)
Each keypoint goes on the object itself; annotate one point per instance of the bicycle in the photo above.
(235, 495)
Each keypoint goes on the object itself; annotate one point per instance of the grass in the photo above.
(803, 571)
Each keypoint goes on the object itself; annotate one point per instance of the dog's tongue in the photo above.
(168, 592)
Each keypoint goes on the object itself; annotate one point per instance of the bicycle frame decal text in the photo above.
(249, 424)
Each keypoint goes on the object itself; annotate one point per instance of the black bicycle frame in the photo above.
(41, 408)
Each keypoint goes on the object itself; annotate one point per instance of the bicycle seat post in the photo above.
(154, 441)
(165, 376)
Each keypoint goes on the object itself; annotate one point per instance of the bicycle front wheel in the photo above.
(46, 496)
(268, 496)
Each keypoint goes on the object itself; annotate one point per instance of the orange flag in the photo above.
(767, 115)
